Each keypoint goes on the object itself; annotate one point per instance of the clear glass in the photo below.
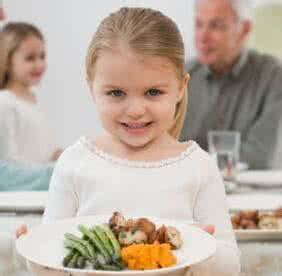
(224, 146)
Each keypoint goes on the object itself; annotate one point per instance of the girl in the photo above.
(24, 136)
(135, 70)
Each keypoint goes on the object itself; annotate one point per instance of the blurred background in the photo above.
(68, 26)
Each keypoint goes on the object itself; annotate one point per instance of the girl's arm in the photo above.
(62, 199)
(210, 207)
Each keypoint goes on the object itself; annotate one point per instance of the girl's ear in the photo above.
(183, 87)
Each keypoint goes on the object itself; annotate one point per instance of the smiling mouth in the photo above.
(137, 125)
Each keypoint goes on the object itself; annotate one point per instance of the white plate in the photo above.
(266, 178)
(254, 201)
(23, 201)
(43, 245)
(258, 235)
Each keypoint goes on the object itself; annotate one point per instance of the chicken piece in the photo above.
(173, 237)
(249, 215)
(131, 224)
(268, 221)
(235, 220)
(147, 227)
(247, 224)
(132, 236)
(117, 222)
(160, 236)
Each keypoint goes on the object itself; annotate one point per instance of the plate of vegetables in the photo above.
(113, 244)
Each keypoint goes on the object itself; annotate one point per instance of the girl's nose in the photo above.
(135, 108)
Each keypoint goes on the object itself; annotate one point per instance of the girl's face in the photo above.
(28, 62)
(136, 96)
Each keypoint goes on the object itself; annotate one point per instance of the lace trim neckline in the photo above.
(90, 145)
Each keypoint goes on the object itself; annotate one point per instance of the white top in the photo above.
(88, 181)
(24, 132)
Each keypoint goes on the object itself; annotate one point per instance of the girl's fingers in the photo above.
(209, 229)
(21, 230)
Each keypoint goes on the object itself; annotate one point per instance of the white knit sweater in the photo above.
(88, 181)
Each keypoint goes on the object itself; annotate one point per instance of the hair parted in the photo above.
(147, 32)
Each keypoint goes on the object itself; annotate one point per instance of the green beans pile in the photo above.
(97, 248)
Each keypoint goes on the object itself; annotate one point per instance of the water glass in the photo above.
(224, 146)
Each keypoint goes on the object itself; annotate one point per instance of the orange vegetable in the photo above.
(148, 256)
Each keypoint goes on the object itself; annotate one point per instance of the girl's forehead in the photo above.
(30, 43)
(131, 60)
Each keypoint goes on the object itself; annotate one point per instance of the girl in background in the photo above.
(24, 133)
(135, 70)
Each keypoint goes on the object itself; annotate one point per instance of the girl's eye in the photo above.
(30, 58)
(154, 92)
(116, 93)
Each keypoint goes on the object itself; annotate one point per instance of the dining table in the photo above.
(259, 257)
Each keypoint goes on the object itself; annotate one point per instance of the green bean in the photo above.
(96, 241)
(81, 262)
(86, 244)
(113, 240)
(72, 263)
(68, 257)
(79, 247)
(98, 230)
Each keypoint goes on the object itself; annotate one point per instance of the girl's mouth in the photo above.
(136, 125)
(136, 128)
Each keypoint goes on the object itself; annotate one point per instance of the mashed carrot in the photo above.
(148, 256)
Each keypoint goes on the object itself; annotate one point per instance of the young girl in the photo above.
(135, 70)
(24, 135)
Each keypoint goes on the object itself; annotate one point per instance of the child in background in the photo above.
(135, 70)
(24, 134)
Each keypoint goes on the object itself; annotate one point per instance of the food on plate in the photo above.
(254, 219)
(268, 221)
(142, 230)
(148, 256)
(122, 243)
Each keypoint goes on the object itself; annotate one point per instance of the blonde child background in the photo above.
(25, 136)
(136, 73)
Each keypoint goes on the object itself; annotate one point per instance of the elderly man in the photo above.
(233, 88)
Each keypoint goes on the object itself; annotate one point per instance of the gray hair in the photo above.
(243, 9)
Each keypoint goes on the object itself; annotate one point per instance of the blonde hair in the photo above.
(11, 37)
(147, 32)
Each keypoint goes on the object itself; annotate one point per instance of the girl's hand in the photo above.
(56, 154)
(208, 228)
(22, 230)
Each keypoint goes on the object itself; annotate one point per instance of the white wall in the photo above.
(68, 26)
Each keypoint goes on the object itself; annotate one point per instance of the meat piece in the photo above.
(160, 236)
(129, 237)
(169, 234)
(268, 221)
(173, 237)
(249, 215)
(247, 224)
(235, 220)
(145, 225)
(117, 222)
